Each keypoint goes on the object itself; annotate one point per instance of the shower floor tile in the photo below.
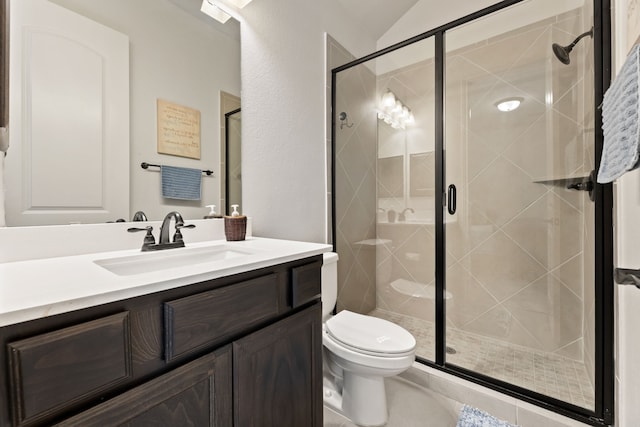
(545, 373)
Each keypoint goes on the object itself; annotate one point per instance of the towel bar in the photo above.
(627, 276)
(145, 165)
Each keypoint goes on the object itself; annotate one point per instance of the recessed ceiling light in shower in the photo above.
(509, 104)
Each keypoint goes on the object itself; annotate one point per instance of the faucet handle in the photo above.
(178, 236)
(148, 238)
(139, 216)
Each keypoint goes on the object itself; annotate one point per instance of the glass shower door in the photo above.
(384, 149)
(520, 245)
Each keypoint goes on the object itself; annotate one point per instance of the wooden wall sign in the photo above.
(178, 130)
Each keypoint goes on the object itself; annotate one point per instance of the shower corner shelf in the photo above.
(562, 181)
(373, 242)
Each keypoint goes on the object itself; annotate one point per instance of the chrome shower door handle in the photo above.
(451, 199)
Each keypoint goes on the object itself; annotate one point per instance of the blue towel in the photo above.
(181, 183)
(474, 417)
(620, 116)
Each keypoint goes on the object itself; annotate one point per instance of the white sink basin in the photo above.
(169, 258)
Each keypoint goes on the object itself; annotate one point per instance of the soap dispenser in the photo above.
(235, 225)
(212, 212)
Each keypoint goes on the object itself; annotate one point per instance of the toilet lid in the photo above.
(369, 333)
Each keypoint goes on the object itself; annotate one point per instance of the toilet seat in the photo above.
(370, 335)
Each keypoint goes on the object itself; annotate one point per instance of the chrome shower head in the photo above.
(563, 52)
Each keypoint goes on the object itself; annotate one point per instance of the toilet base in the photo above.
(363, 399)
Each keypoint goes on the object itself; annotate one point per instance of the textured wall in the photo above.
(283, 102)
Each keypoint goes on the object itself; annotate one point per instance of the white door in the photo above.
(68, 160)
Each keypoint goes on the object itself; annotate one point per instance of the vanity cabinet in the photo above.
(196, 394)
(277, 373)
(242, 350)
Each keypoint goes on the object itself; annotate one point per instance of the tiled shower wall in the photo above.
(519, 250)
(516, 250)
(587, 123)
(355, 145)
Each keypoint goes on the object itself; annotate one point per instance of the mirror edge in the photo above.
(4, 62)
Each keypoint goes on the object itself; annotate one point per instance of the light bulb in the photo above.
(388, 99)
(508, 104)
(410, 120)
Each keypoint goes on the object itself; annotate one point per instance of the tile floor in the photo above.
(409, 406)
(549, 374)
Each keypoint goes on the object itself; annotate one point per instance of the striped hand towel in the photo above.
(181, 183)
(620, 116)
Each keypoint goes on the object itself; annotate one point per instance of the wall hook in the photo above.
(344, 120)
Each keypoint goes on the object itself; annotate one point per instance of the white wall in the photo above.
(283, 113)
(423, 17)
(627, 236)
(180, 58)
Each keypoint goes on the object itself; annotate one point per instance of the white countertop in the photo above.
(44, 287)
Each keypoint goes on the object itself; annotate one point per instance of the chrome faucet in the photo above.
(402, 216)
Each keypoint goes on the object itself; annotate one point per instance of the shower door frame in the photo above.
(603, 413)
(227, 117)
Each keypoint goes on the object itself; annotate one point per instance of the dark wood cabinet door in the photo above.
(277, 379)
(196, 394)
(52, 372)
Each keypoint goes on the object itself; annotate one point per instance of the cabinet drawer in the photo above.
(195, 394)
(53, 371)
(207, 318)
(306, 284)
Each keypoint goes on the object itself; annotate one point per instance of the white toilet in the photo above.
(359, 351)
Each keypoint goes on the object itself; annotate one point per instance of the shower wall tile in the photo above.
(574, 198)
(355, 151)
(589, 290)
(481, 154)
(544, 153)
(493, 125)
(550, 230)
(502, 266)
(571, 274)
(501, 54)
(570, 104)
(507, 197)
(550, 311)
(470, 230)
(499, 323)
(469, 299)
(574, 350)
(412, 248)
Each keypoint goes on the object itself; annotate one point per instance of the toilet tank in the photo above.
(329, 283)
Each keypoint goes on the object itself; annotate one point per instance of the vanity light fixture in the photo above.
(509, 104)
(239, 3)
(393, 112)
(214, 11)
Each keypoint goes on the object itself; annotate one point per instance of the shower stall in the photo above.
(463, 201)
